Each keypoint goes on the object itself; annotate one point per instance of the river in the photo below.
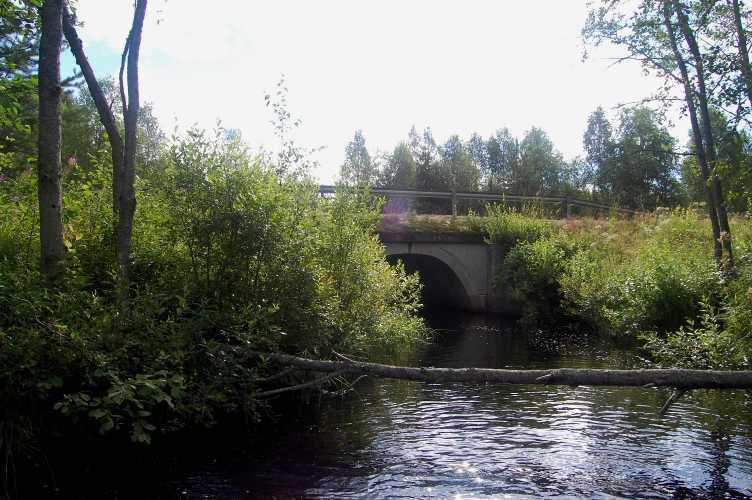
(401, 439)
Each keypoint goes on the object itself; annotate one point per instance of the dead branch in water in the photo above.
(305, 385)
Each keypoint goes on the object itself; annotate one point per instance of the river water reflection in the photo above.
(415, 440)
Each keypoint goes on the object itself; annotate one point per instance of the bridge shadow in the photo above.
(441, 286)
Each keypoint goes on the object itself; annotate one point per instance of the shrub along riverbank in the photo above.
(228, 257)
(651, 278)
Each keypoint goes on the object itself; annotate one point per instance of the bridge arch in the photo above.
(447, 280)
(457, 262)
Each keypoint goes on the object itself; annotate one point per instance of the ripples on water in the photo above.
(408, 439)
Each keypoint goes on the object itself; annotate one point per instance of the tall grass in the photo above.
(651, 278)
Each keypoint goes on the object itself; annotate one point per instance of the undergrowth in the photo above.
(651, 278)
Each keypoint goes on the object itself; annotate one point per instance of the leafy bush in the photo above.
(721, 337)
(659, 290)
(531, 271)
(646, 277)
(695, 345)
(228, 258)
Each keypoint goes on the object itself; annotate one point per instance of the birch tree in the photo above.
(663, 37)
(123, 147)
(49, 140)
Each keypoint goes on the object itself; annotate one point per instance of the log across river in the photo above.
(678, 378)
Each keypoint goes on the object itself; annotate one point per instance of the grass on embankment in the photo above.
(651, 278)
(415, 223)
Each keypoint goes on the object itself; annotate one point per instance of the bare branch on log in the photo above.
(312, 383)
(276, 376)
(676, 378)
(673, 398)
(348, 387)
(343, 357)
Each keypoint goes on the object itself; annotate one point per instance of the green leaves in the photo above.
(228, 257)
(125, 402)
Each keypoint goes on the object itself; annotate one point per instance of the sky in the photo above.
(380, 66)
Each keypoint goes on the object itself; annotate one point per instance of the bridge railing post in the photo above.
(566, 207)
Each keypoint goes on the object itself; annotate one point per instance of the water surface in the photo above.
(400, 439)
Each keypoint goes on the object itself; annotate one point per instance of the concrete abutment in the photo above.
(457, 270)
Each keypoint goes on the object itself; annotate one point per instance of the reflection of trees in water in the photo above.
(720, 439)
(476, 340)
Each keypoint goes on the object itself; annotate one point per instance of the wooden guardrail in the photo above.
(566, 202)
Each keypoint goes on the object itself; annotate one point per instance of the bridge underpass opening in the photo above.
(441, 286)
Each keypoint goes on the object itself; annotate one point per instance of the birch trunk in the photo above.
(126, 193)
(743, 47)
(49, 139)
(696, 133)
(123, 152)
(707, 132)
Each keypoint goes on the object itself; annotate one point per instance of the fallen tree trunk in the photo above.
(678, 378)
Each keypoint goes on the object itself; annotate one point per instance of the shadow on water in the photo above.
(407, 439)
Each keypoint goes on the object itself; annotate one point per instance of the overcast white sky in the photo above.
(380, 66)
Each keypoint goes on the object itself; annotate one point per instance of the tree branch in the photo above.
(298, 387)
(123, 100)
(673, 398)
(276, 376)
(126, 188)
(105, 112)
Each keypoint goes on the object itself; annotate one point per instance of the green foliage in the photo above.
(228, 257)
(458, 164)
(699, 344)
(720, 337)
(85, 142)
(19, 39)
(531, 270)
(400, 171)
(359, 169)
(540, 166)
(507, 227)
(652, 278)
(291, 159)
(500, 164)
(733, 167)
(633, 165)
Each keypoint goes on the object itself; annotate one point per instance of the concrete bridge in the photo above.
(457, 270)
(460, 269)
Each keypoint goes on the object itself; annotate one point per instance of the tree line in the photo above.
(631, 160)
(633, 164)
